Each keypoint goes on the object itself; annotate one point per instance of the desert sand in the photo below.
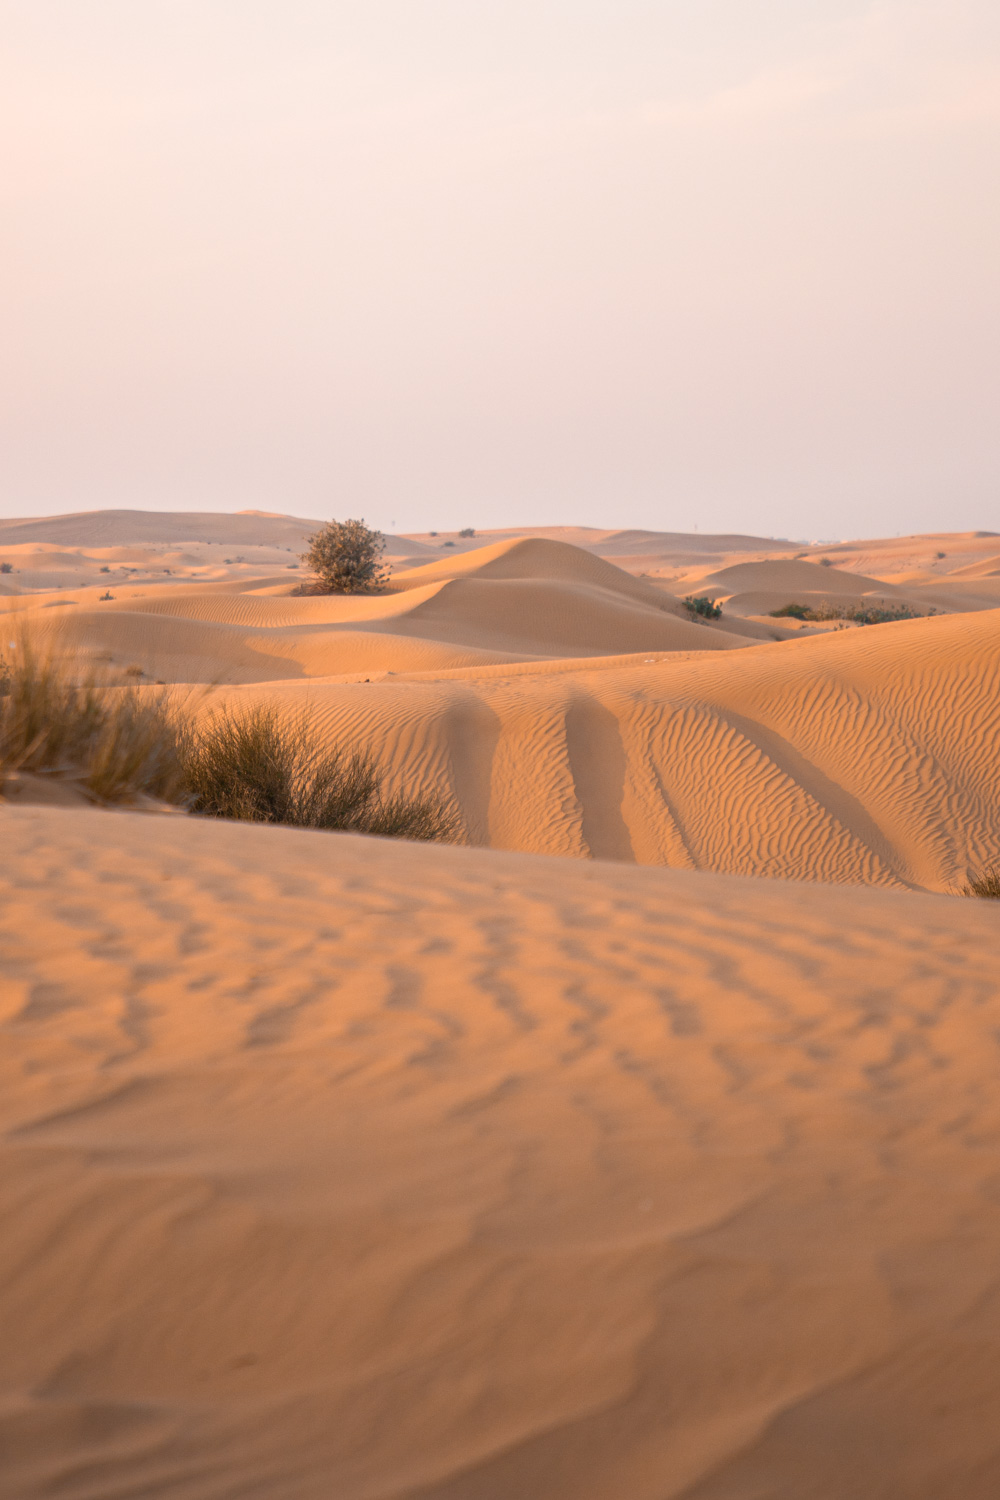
(338, 1167)
(560, 703)
(341, 1167)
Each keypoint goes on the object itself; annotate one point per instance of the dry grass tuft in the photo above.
(985, 884)
(123, 741)
(251, 765)
(117, 741)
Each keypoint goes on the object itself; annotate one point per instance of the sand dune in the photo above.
(518, 601)
(778, 575)
(334, 1167)
(559, 705)
(864, 756)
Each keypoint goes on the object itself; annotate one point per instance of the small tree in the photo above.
(346, 556)
(467, 531)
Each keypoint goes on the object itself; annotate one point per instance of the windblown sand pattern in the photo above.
(340, 1167)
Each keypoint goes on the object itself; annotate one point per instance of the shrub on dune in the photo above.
(346, 557)
(701, 605)
(858, 614)
(122, 741)
(252, 765)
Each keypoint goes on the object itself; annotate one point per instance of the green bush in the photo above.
(860, 614)
(793, 612)
(346, 557)
(701, 605)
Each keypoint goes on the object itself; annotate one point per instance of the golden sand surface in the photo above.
(559, 703)
(352, 1169)
(340, 1167)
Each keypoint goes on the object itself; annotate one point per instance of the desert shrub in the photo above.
(793, 612)
(346, 557)
(879, 614)
(117, 741)
(104, 569)
(447, 544)
(467, 531)
(252, 765)
(703, 606)
(859, 614)
(940, 555)
(986, 884)
(825, 562)
(6, 567)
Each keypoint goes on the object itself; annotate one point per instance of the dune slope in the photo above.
(333, 1167)
(866, 756)
(560, 705)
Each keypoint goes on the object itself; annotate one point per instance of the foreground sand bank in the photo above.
(335, 1167)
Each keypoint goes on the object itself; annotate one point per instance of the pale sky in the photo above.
(732, 264)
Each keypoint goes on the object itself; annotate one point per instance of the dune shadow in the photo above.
(598, 763)
(473, 733)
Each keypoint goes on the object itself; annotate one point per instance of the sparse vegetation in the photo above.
(467, 531)
(252, 765)
(793, 612)
(6, 567)
(701, 605)
(940, 555)
(346, 557)
(825, 562)
(859, 614)
(104, 569)
(447, 544)
(102, 598)
(986, 884)
(119, 740)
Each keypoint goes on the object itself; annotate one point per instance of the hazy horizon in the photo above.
(655, 265)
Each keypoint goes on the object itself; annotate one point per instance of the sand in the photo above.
(341, 1167)
(558, 703)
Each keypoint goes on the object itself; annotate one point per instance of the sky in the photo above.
(438, 263)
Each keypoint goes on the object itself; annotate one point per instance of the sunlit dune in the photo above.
(345, 1167)
(342, 1167)
(559, 704)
